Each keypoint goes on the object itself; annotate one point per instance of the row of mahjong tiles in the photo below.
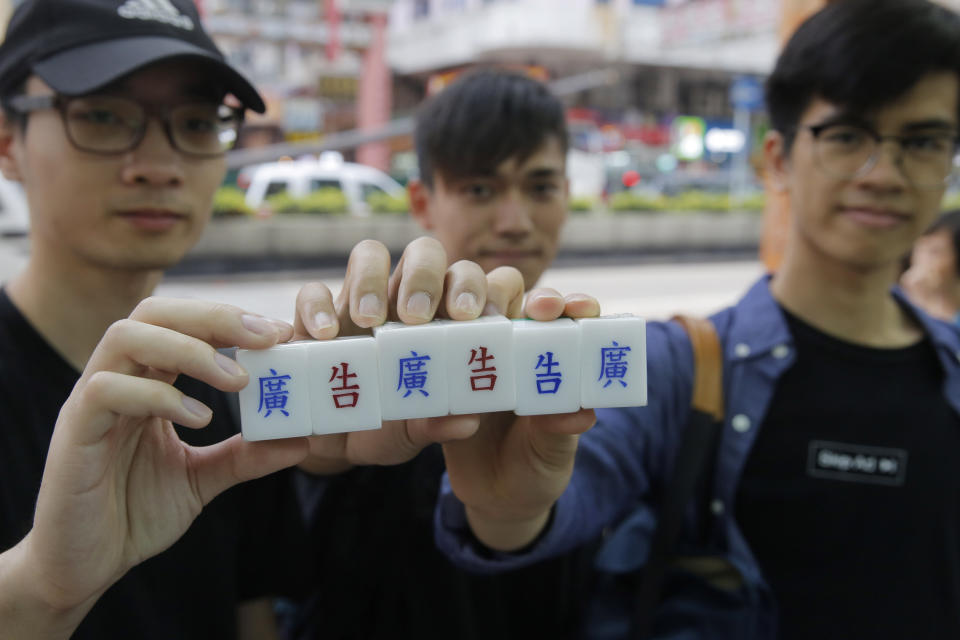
(440, 368)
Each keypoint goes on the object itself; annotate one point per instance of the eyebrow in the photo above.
(918, 125)
(932, 123)
(543, 172)
(844, 117)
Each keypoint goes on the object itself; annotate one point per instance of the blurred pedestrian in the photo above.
(932, 278)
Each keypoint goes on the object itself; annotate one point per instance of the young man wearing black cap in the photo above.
(116, 121)
(115, 198)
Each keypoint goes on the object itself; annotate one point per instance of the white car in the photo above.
(301, 177)
(14, 216)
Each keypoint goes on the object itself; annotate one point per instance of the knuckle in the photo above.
(369, 246)
(98, 385)
(146, 307)
(120, 330)
(506, 274)
(467, 268)
(312, 292)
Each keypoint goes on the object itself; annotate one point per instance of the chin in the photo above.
(146, 260)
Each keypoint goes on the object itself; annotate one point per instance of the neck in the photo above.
(73, 305)
(850, 303)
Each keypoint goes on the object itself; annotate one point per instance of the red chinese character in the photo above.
(344, 400)
(488, 379)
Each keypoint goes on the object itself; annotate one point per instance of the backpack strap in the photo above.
(695, 455)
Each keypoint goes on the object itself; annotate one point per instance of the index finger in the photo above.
(362, 303)
(217, 324)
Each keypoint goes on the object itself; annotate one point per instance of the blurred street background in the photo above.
(664, 104)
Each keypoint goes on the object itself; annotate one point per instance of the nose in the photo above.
(154, 162)
(886, 170)
(513, 215)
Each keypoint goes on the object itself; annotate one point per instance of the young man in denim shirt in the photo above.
(835, 496)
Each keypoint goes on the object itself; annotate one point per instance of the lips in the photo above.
(511, 255)
(149, 219)
(875, 217)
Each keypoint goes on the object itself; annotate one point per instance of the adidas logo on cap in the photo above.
(158, 10)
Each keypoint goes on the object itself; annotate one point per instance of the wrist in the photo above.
(507, 535)
(25, 613)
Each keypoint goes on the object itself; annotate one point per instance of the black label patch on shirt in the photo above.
(857, 463)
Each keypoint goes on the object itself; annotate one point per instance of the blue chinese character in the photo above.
(613, 364)
(549, 377)
(273, 394)
(412, 376)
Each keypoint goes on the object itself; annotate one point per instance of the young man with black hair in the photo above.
(835, 499)
(114, 522)
(492, 151)
(493, 190)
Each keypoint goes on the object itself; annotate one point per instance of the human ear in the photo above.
(776, 160)
(419, 195)
(9, 132)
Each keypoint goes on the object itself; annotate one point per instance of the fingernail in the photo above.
(544, 295)
(258, 325)
(228, 364)
(195, 407)
(369, 306)
(282, 326)
(467, 302)
(419, 305)
(492, 310)
(322, 320)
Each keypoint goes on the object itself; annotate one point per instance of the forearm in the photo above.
(24, 613)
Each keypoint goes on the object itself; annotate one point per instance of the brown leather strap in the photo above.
(707, 365)
(691, 474)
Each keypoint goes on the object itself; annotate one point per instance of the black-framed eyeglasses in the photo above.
(109, 125)
(927, 158)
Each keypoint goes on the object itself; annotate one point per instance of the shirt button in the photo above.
(741, 350)
(741, 423)
(781, 351)
(717, 508)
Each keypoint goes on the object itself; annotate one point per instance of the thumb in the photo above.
(219, 467)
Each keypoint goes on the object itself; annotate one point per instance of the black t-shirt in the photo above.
(248, 542)
(850, 496)
(382, 576)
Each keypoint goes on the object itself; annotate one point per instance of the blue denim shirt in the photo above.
(622, 464)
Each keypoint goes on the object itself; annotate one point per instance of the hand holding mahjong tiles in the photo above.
(440, 368)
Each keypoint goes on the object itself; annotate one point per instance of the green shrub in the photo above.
(694, 200)
(323, 201)
(753, 202)
(628, 201)
(381, 202)
(951, 201)
(283, 203)
(581, 204)
(230, 202)
(686, 201)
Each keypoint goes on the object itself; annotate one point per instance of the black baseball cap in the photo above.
(80, 46)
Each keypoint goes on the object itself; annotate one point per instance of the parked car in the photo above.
(299, 178)
(14, 216)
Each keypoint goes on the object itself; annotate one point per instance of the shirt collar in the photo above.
(757, 321)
